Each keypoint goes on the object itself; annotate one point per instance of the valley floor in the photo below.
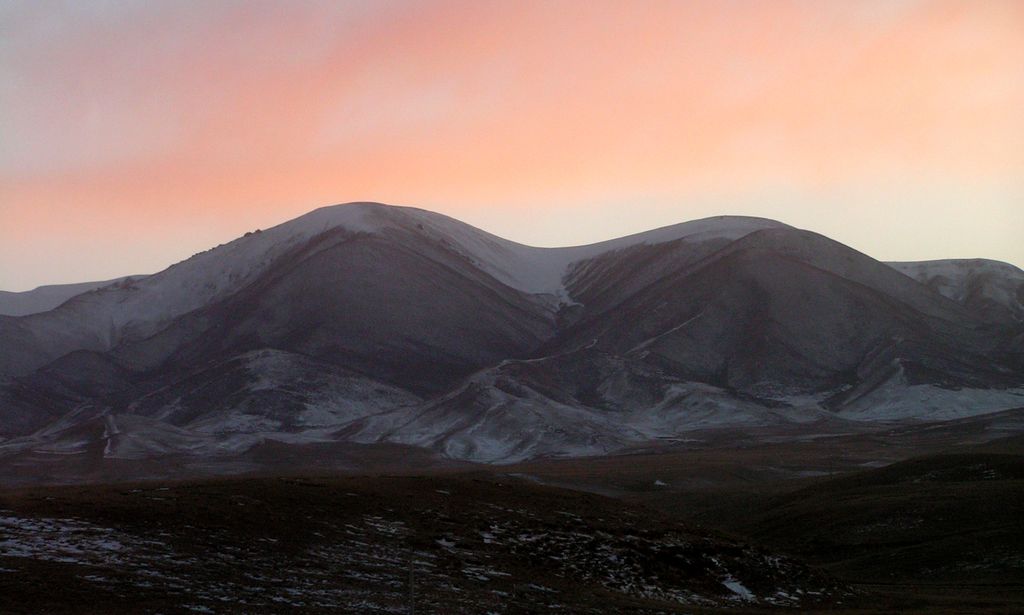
(903, 520)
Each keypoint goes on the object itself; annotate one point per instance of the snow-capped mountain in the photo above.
(369, 323)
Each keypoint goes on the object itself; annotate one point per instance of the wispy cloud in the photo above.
(234, 114)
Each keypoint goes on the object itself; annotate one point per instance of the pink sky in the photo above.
(133, 134)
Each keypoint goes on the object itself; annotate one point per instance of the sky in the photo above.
(135, 134)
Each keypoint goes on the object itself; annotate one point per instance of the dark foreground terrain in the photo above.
(363, 545)
(939, 532)
(933, 534)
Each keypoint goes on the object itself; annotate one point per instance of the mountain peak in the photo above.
(368, 323)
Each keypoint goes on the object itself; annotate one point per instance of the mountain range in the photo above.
(374, 324)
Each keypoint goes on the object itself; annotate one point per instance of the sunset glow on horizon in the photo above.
(133, 134)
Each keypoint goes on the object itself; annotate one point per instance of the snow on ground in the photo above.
(60, 540)
(367, 560)
(493, 425)
(692, 406)
(737, 588)
(328, 399)
(492, 419)
(898, 400)
(151, 561)
(925, 402)
(481, 422)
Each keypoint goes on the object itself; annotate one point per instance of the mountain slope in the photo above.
(140, 309)
(45, 298)
(988, 288)
(369, 323)
(781, 311)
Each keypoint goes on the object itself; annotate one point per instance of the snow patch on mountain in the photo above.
(269, 390)
(139, 308)
(542, 270)
(925, 402)
(968, 281)
(529, 269)
(587, 394)
(896, 399)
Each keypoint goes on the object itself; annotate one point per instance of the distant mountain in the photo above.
(45, 298)
(987, 287)
(368, 323)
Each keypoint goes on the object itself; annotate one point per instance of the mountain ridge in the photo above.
(373, 324)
